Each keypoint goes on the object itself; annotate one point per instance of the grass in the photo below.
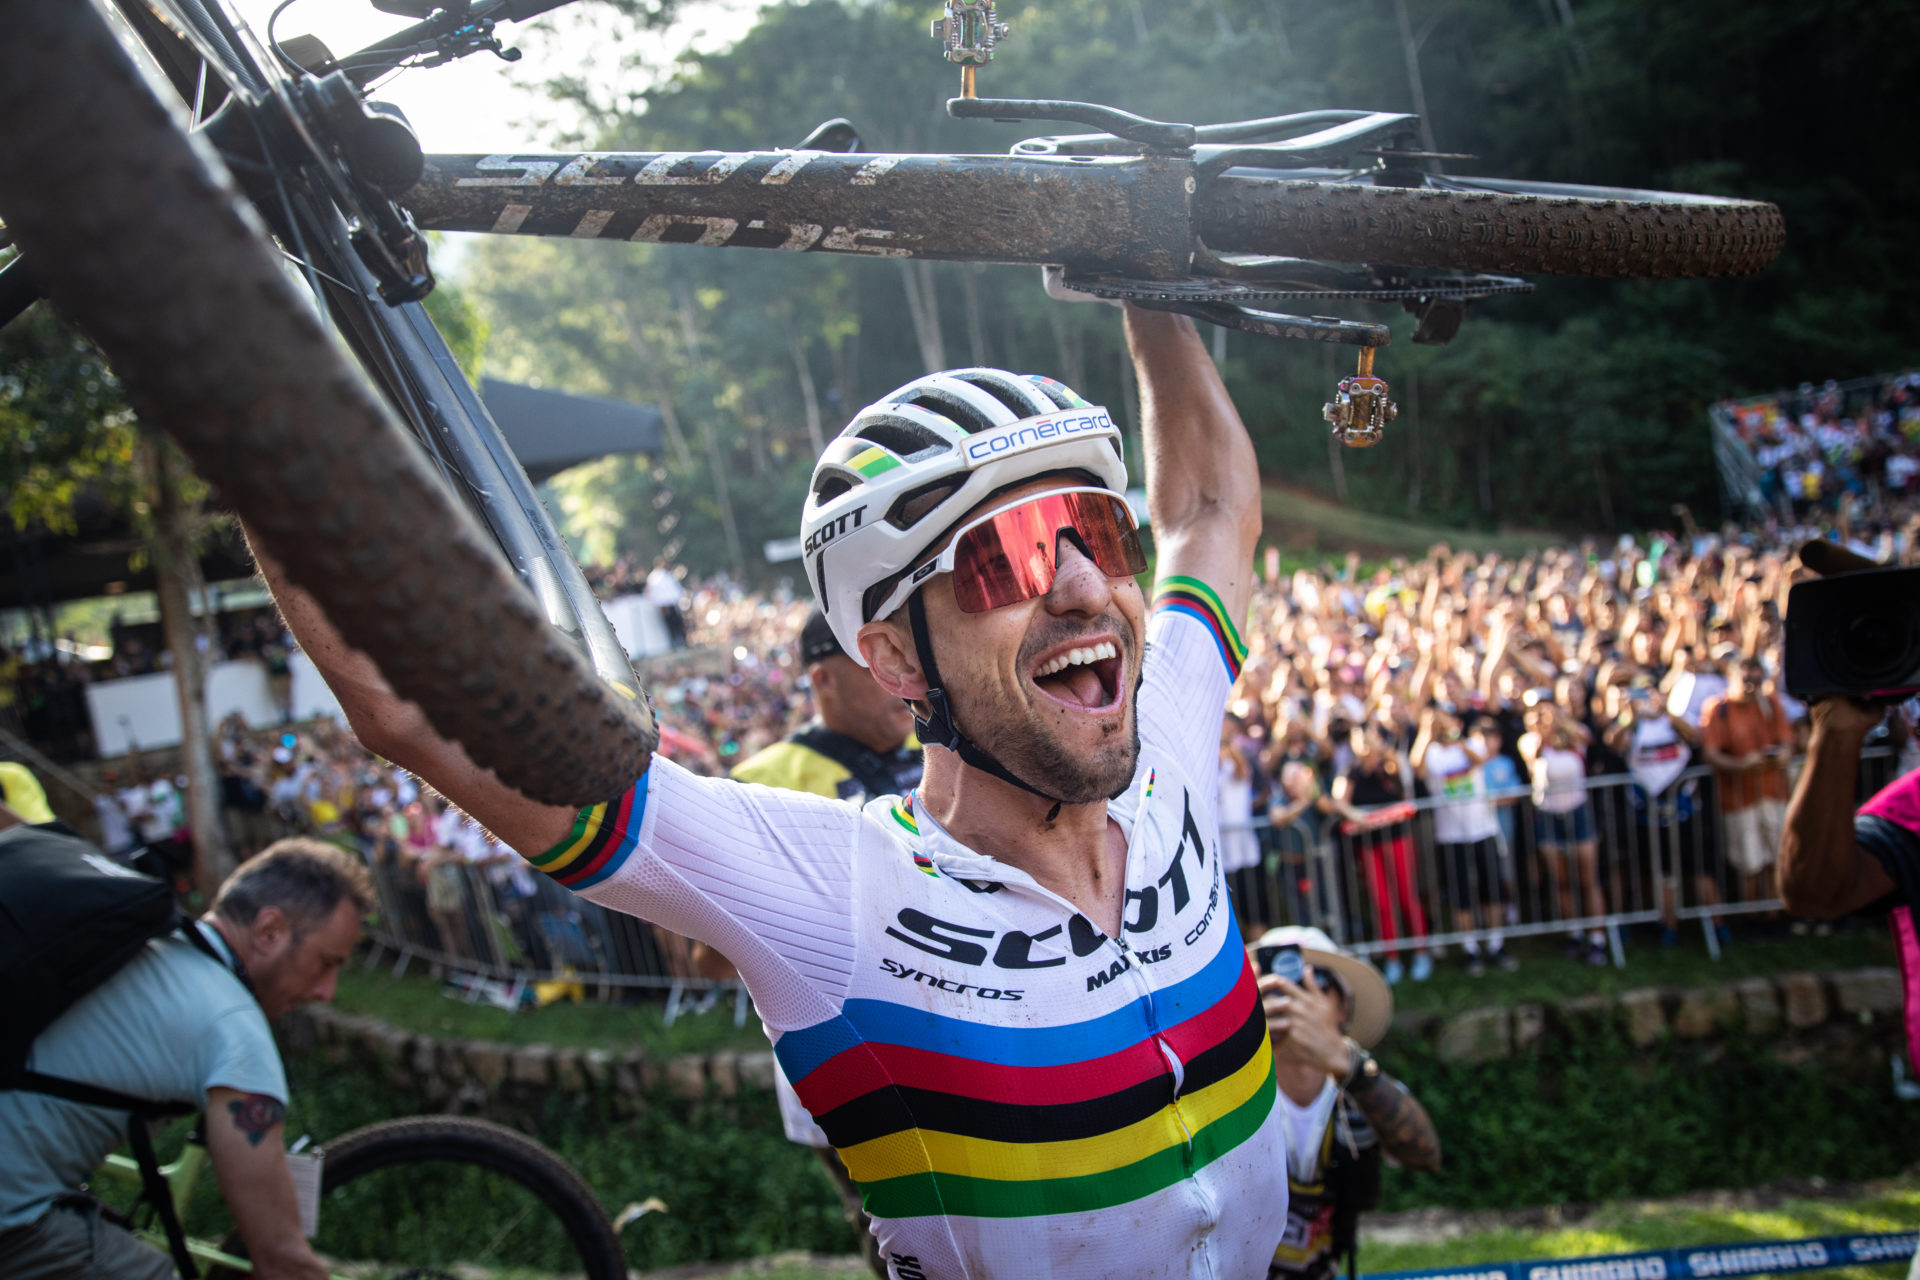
(1546, 976)
(1334, 528)
(1639, 1226)
(1619, 1228)
(419, 1003)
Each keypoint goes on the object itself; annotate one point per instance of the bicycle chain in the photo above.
(1233, 292)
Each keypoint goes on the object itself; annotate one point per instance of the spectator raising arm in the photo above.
(390, 726)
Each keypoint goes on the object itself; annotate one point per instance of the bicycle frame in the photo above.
(181, 1177)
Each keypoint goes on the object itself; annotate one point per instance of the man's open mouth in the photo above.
(1085, 677)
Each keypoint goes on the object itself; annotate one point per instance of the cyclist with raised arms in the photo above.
(1015, 998)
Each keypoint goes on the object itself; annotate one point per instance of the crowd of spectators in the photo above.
(1441, 724)
(1821, 448)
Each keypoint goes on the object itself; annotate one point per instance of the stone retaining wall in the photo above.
(454, 1072)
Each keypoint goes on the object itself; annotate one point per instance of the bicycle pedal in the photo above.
(1361, 407)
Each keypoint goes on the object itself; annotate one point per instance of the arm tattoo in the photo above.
(1406, 1133)
(255, 1114)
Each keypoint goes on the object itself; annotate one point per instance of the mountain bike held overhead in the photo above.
(1012, 998)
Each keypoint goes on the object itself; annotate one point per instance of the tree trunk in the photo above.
(1130, 405)
(1336, 455)
(716, 463)
(1413, 441)
(1603, 492)
(976, 318)
(923, 304)
(176, 575)
(809, 394)
(1483, 464)
(1410, 50)
(1069, 338)
(676, 438)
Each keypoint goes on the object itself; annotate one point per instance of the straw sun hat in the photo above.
(1372, 997)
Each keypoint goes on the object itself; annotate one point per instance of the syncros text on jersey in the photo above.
(908, 972)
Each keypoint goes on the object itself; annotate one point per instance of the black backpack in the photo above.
(70, 918)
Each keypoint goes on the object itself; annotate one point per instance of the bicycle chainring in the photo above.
(1236, 293)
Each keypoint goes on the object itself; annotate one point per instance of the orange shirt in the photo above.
(1742, 728)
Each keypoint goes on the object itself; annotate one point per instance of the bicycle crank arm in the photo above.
(1126, 216)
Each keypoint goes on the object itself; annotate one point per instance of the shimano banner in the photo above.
(1696, 1262)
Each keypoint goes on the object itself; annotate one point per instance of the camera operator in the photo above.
(1342, 1111)
(1834, 860)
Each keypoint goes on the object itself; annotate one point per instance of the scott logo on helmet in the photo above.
(1035, 432)
(832, 529)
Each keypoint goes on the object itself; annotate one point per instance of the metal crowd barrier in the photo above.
(516, 927)
(1318, 871)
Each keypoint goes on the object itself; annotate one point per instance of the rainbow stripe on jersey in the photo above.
(933, 1115)
(604, 836)
(1199, 601)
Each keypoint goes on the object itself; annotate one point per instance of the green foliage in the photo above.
(1590, 1118)
(1579, 408)
(65, 429)
(734, 1186)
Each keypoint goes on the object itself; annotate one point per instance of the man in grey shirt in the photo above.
(177, 1024)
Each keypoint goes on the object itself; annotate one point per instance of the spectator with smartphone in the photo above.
(1341, 1110)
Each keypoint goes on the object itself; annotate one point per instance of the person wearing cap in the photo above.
(1341, 1110)
(861, 744)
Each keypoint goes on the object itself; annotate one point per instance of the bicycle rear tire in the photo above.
(407, 1144)
(139, 235)
(1523, 229)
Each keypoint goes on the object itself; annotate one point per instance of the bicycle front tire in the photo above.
(375, 1180)
(141, 238)
(1475, 224)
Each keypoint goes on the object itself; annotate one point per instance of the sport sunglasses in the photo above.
(1012, 554)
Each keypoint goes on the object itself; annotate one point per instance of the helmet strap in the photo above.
(938, 728)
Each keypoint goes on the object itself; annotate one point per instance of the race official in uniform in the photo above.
(860, 744)
(1342, 1111)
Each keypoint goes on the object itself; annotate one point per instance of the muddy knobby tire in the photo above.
(139, 236)
(1490, 230)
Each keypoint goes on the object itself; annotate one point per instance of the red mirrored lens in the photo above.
(1013, 555)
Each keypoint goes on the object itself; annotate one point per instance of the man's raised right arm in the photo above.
(390, 726)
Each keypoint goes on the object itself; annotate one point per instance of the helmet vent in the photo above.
(908, 510)
(902, 438)
(831, 487)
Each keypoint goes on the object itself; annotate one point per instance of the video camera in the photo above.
(1855, 633)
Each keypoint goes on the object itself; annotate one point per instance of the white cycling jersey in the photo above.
(1015, 1093)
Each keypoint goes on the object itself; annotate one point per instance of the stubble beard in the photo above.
(1014, 732)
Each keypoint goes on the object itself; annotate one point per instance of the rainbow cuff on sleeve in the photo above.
(1198, 601)
(604, 836)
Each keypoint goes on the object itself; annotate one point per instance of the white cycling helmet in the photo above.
(910, 465)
